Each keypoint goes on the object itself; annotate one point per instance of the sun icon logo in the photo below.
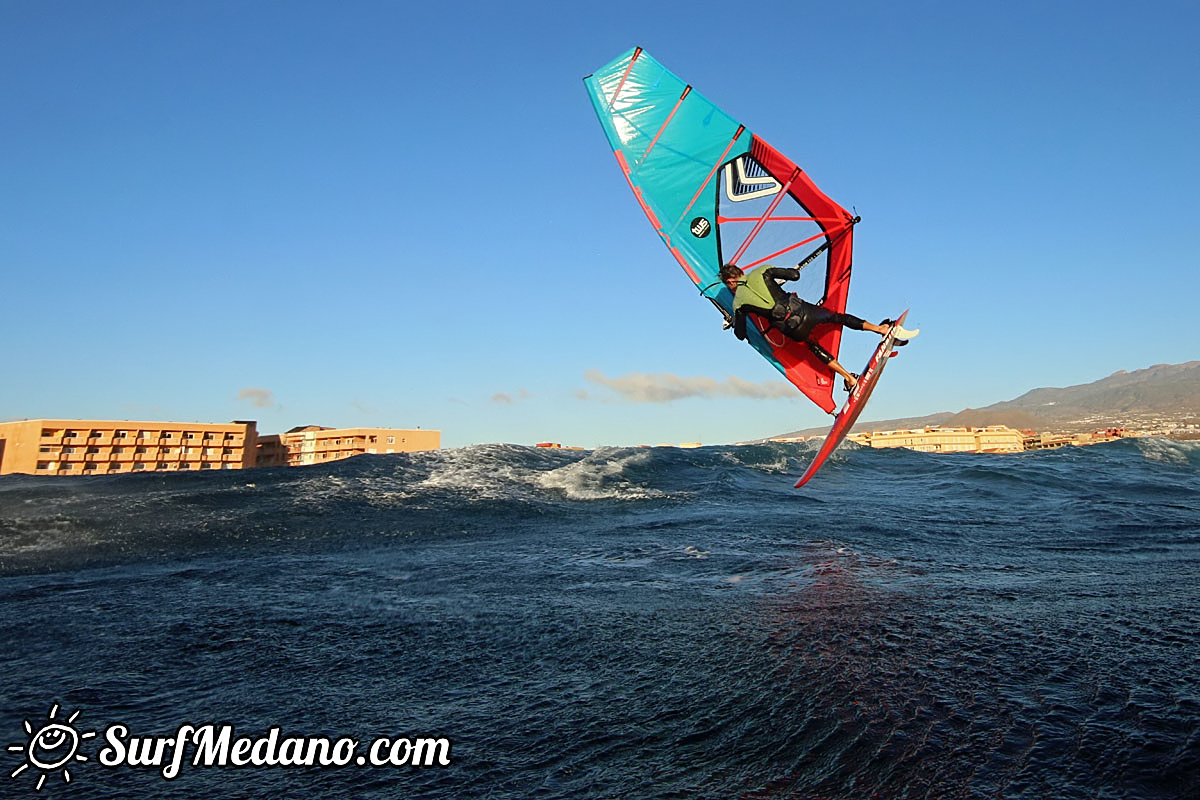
(51, 747)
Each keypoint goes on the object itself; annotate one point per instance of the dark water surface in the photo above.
(624, 623)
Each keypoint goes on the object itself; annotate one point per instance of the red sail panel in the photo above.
(828, 278)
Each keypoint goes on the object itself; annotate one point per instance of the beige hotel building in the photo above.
(935, 439)
(106, 447)
(312, 444)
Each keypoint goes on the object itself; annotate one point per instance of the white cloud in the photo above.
(661, 387)
(259, 398)
(503, 398)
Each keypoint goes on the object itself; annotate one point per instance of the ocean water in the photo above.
(622, 623)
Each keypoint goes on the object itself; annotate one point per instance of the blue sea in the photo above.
(618, 623)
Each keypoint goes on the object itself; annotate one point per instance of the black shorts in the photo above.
(806, 316)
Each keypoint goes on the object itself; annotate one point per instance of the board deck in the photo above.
(855, 403)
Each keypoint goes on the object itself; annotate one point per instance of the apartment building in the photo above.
(314, 444)
(934, 439)
(105, 447)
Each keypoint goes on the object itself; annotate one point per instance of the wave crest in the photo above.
(1170, 451)
(601, 475)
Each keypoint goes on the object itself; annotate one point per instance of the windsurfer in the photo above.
(759, 292)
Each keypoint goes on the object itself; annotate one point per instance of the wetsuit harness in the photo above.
(760, 293)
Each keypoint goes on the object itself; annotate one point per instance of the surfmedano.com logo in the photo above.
(54, 746)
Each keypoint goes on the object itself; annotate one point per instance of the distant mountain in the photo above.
(1163, 394)
(981, 417)
(1162, 391)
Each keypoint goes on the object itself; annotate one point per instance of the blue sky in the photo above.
(378, 213)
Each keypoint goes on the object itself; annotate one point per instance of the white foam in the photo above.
(1167, 451)
(44, 535)
(599, 476)
(488, 471)
(494, 472)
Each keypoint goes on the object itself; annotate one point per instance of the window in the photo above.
(205, 465)
(118, 450)
(89, 467)
(165, 450)
(43, 465)
(68, 449)
(168, 435)
(391, 440)
(94, 435)
(48, 432)
(229, 437)
(184, 465)
(138, 467)
(93, 450)
(121, 434)
(113, 466)
(162, 465)
(45, 449)
(140, 450)
(227, 450)
(208, 437)
(69, 435)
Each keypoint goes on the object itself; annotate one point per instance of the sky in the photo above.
(406, 215)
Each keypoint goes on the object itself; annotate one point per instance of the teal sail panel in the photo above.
(671, 143)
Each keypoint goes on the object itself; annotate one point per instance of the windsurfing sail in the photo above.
(716, 193)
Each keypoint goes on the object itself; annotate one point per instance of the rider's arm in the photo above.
(782, 273)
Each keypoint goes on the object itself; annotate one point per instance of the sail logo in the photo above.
(746, 179)
(701, 227)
